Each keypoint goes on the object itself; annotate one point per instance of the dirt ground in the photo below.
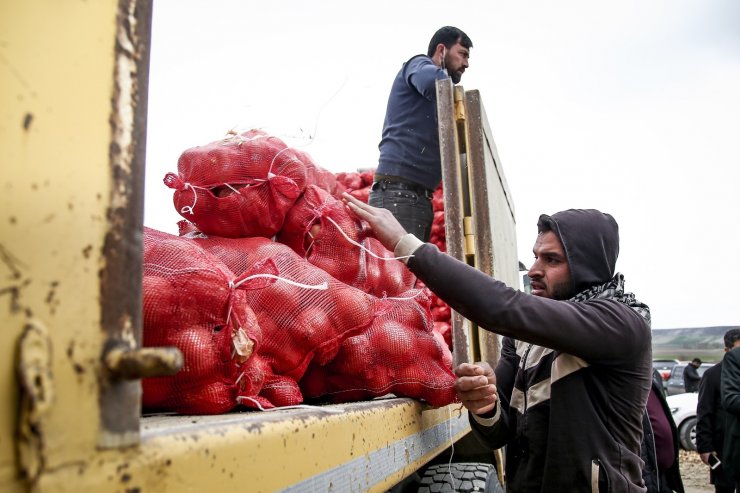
(694, 473)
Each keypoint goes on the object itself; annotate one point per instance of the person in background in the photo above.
(691, 376)
(570, 389)
(730, 400)
(409, 168)
(659, 448)
(710, 420)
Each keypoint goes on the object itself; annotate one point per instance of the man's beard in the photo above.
(455, 76)
(562, 291)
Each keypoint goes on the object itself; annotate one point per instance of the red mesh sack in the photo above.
(316, 175)
(400, 354)
(239, 186)
(350, 180)
(188, 303)
(322, 230)
(441, 311)
(299, 325)
(357, 184)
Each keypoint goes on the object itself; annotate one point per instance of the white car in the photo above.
(683, 410)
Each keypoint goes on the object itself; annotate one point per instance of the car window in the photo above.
(677, 371)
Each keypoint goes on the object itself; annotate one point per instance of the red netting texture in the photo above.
(188, 303)
(299, 325)
(357, 184)
(239, 186)
(399, 354)
(316, 175)
(318, 227)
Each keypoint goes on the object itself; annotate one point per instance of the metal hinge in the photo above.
(459, 97)
(469, 234)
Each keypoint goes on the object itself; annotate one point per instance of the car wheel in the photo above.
(687, 434)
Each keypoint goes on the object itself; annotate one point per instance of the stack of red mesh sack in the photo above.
(190, 303)
(308, 304)
(323, 231)
(358, 184)
(240, 186)
(399, 353)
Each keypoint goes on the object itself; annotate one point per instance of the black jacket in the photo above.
(571, 397)
(710, 423)
(691, 378)
(730, 382)
(669, 480)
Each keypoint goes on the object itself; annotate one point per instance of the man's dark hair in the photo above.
(731, 336)
(448, 36)
(696, 360)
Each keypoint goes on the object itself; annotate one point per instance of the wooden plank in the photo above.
(449, 148)
(492, 211)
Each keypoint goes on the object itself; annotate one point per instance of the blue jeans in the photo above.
(412, 208)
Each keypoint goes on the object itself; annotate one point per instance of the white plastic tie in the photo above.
(232, 188)
(188, 209)
(452, 448)
(362, 247)
(403, 298)
(322, 286)
(322, 409)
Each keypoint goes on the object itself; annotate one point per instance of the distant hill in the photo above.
(685, 344)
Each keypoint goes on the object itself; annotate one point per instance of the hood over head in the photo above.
(590, 239)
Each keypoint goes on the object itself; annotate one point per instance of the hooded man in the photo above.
(569, 391)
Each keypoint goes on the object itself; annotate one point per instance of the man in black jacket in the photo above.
(730, 392)
(710, 424)
(570, 389)
(691, 376)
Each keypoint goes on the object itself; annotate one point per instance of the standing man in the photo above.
(409, 168)
(570, 389)
(710, 416)
(730, 385)
(691, 376)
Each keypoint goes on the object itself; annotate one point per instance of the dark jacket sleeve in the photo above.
(706, 414)
(498, 435)
(602, 331)
(731, 382)
(731, 403)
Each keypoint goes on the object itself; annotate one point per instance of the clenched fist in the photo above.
(476, 387)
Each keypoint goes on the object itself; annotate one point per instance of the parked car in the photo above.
(664, 367)
(674, 384)
(683, 411)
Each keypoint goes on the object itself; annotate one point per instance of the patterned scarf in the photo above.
(614, 290)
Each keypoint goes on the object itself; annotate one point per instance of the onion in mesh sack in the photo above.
(239, 186)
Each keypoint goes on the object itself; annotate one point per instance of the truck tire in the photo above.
(466, 477)
(687, 434)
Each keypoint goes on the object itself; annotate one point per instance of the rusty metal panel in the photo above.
(120, 288)
(492, 210)
(72, 110)
(363, 446)
(449, 147)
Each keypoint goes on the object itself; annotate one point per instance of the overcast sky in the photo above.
(629, 107)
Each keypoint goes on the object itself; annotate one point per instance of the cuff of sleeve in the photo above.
(406, 246)
(488, 421)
